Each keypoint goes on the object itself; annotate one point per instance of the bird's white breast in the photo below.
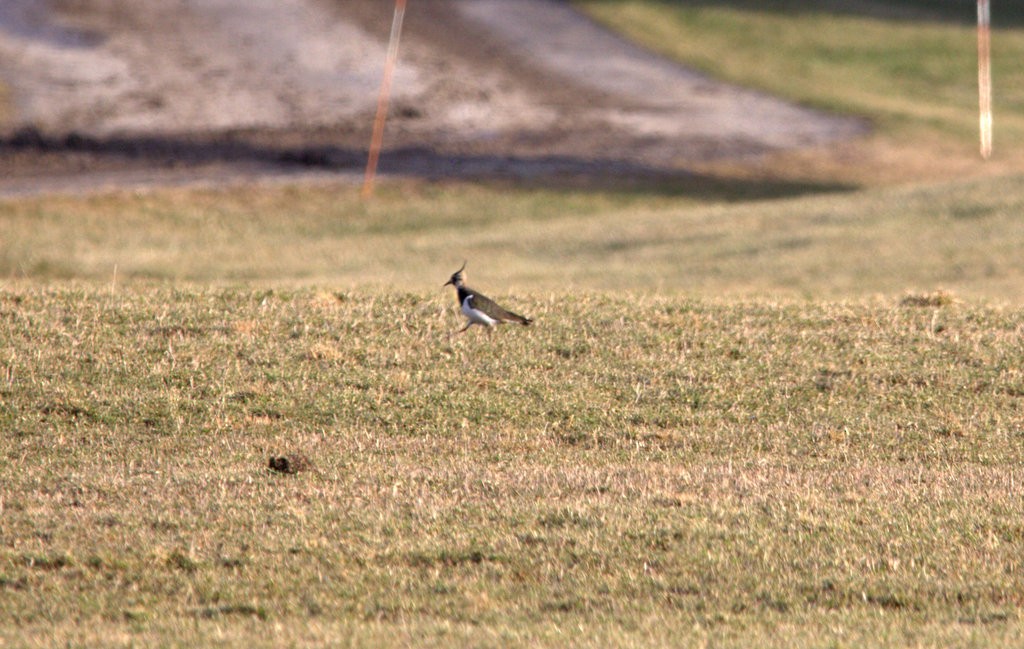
(476, 315)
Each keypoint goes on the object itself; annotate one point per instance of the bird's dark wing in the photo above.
(490, 307)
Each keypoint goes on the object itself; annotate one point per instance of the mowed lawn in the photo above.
(772, 404)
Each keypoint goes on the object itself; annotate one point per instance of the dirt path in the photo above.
(104, 89)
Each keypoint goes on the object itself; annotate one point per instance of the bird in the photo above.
(479, 308)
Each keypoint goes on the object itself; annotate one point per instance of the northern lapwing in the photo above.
(479, 308)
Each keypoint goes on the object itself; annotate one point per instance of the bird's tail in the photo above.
(515, 317)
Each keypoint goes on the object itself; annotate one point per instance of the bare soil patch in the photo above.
(104, 92)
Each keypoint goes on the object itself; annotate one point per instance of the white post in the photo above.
(984, 79)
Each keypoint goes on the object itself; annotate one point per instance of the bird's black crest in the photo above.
(456, 277)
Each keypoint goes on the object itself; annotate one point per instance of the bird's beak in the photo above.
(447, 283)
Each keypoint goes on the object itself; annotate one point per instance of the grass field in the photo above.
(765, 406)
(622, 473)
(756, 422)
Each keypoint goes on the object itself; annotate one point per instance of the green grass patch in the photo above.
(911, 69)
(627, 472)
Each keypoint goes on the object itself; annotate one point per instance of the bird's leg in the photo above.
(464, 328)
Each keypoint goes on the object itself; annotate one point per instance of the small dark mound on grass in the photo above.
(290, 464)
